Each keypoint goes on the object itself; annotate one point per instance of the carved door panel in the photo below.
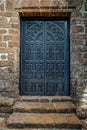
(44, 57)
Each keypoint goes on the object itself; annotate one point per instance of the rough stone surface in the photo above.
(2, 122)
(40, 120)
(45, 98)
(40, 115)
(44, 107)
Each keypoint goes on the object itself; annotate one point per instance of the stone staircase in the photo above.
(42, 113)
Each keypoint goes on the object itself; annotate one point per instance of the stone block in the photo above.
(1, 7)
(77, 29)
(10, 5)
(13, 31)
(2, 122)
(3, 31)
(0, 37)
(11, 38)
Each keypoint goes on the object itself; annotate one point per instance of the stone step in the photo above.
(45, 98)
(3, 128)
(37, 107)
(26, 120)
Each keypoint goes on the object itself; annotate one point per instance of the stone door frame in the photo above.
(26, 9)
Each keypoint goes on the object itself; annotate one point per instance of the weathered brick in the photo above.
(10, 5)
(13, 31)
(3, 44)
(11, 38)
(9, 14)
(3, 57)
(0, 37)
(3, 20)
(13, 44)
(1, 7)
(3, 31)
(6, 63)
(2, 122)
(5, 25)
(15, 26)
(14, 20)
(6, 50)
(11, 56)
(27, 3)
(77, 29)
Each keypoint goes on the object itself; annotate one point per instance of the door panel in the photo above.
(44, 57)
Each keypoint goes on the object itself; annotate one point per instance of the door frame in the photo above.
(67, 37)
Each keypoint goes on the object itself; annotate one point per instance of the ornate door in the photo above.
(44, 57)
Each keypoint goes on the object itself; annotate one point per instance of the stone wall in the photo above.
(10, 41)
(9, 49)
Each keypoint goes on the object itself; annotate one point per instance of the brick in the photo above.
(13, 44)
(1, 7)
(78, 20)
(3, 44)
(2, 122)
(77, 29)
(3, 57)
(45, 3)
(29, 3)
(11, 38)
(13, 31)
(3, 31)
(6, 50)
(0, 37)
(10, 5)
(5, 25)
(9, 14)
(3, 20)
(11, 56)
(15, 26)
(14, 20)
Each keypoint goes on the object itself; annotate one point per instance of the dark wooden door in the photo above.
(44, 57)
